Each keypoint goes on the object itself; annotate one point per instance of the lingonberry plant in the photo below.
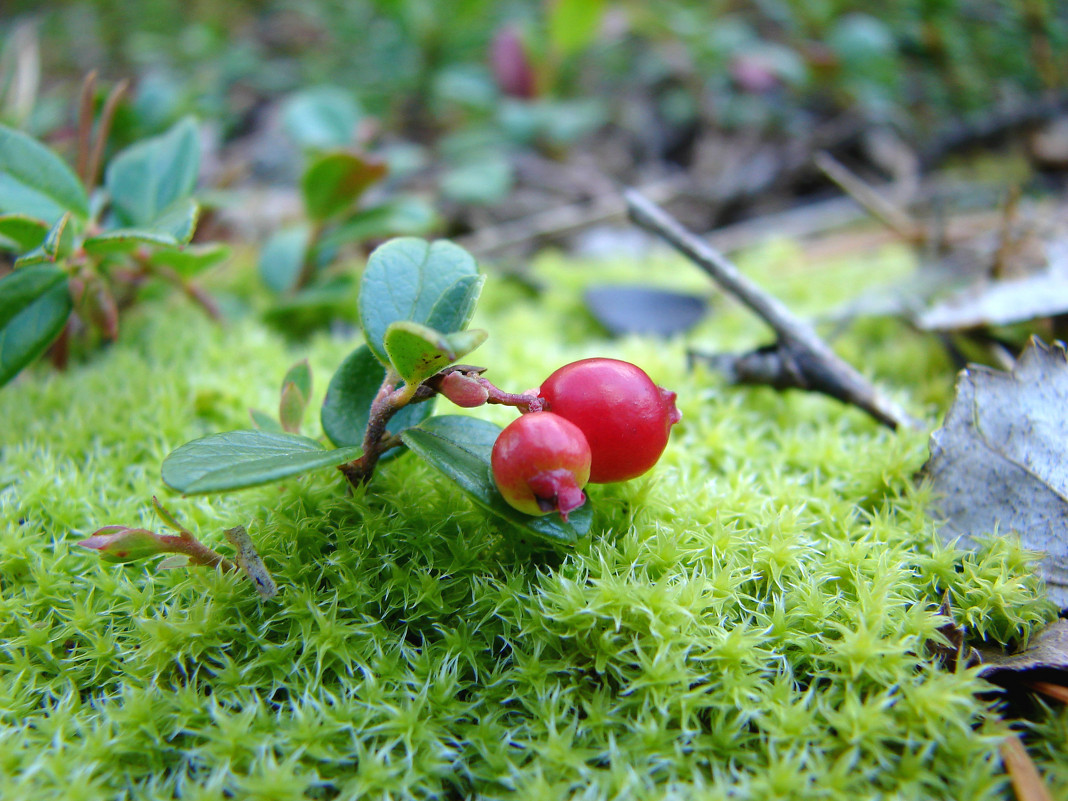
(81, 251)
(416, 299)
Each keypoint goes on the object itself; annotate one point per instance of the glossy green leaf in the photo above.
(347, 406)
(239, 459)
(460, 448)
(282, 257)
(454, 307)
(400, 217)
(34, 306)
(35, 181)
(21, 233)
(405, 279)
(321, 118)
(417, 352)
(57, 244)
(333, 182)
(147, 180)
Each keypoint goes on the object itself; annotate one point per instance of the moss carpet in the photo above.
(748, 621)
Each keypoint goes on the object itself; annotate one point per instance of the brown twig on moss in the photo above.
(800, 358)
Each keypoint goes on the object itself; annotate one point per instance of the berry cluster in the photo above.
(596, 420)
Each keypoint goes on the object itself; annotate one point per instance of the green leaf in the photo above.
(347, 406)
(23, 232)
(404, 280)
(481, 182)
(35, 181)
(460, 448)
(333, 182)
(454, 307)
(57, 244)
(179, 220)
(573, 24)
(125, 240)
(239, 459)
(321, 118)
(282, 257)
(402, 216)
(296, 390)
(264, 421)
(417, 352)
(301, 375)
(147, 180)
(192, 259)
(291, 408)
(34, 306)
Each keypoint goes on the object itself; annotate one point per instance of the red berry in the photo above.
(540, 463)
(625, 416)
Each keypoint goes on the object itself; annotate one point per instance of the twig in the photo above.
(85, 125)
(1026, 782)
(107, 114)
(806, 362)
(867, 196)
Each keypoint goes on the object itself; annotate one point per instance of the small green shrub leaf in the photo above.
(264, 421)
(417, 352)
(291, 408)
(35, 181)
(125, 240)
(282, 257)
(192, 259)
(34, 306)
(147, 180)
(347, 406)
(21, 233)
(57, 244)
(333, 182)
(404, 280)
(239, 459)
(460, 447)
(301, 375)
(321, 118)
(454, 307)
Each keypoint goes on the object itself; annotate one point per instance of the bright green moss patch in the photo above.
(747, 621)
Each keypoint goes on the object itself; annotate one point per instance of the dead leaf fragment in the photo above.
(1047, 651)
(1000, 461)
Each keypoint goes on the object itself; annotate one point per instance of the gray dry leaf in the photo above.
(1000, 461)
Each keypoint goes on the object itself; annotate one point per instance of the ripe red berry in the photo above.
(540, 463)
(625, 416)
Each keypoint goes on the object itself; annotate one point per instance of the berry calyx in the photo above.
(625, 417)
(540, 464)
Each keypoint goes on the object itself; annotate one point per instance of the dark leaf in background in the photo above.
(1000, 461)
(321, 118)
(644, 310)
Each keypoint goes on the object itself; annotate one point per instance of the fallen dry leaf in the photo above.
(999, 464)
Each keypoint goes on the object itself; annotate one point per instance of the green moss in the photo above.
(747, 621)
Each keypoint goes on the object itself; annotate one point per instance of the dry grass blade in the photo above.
(1058, 692)
(1026, 782)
